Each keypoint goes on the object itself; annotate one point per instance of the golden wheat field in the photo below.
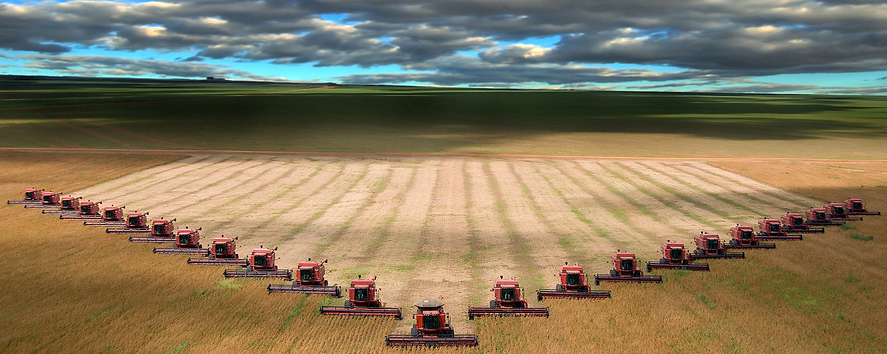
(69, 288)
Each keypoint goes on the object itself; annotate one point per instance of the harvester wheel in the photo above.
(583, 289)
(326, 283)
(559, 288)
(492, 304)
(449, 333)
(348, 303)
(613, 273)
(518, 305)
(414, 332)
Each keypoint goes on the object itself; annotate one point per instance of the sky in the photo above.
(732, 46)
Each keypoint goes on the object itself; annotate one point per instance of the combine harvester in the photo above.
(795, 223)
(363, 300)
(836, 211)
(88, 211)
(134, 223)
(187, 242)
(745, 237)
(111, 216)
(625, 269)
(508, 300)
(309, 281)
(431, 328)
(854, 206)
(674, 256)
(819, 217)
(710, 246)
(223, 252)
(573, 285)
(771, 229)
(161, 231)
(48, 200)
(67, 205)
(261, 265)
(32, 196)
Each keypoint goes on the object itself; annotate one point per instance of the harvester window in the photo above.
(797, 221)
(133, 221)
(109, 214)
(430, 322)
(774, 228)
(159, 229)
(820, 216)
(306, 274)
(676, 253)
(260, 261)
(361, 294)
(508, 294)
(712, 244)
(838, 210)
(857, 205)
(220, 249)
(29, 195)
(47, 199)
(572, 279)
(84, 209)
(184, 239)
(745, 235)
(66, 203)
(627, 264)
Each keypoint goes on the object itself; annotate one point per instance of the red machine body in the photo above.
(87, 210)
(67, 205)
(625, 269)
(111, 216)
(31, 196)
(710, 246)
(674, 256)
(133, 223)
(855, 206)
(187, 242)
(431, 328)
(836, 211)
(161, 231)
(261, 265)
(795, 223)
(745, 237)
(573, 284)
(508, 300)
(48, 200)
(363, 300)
(309, 280)
(820, 217)
(771, 229)
(222, 252)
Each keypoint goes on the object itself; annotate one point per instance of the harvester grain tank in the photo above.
(674, 256)
(363, 300)
(795, 223)
(88, 210)
(48, 200)
(187, 242)
(856, 206)
(31, 196)
(261, 265)
(771, 229)
(161, 231)
(134, 223)
(625, 269)
(836, 211)
(710, 246)
(222, 252)
(573, 285)
(309, 280)
(111, 216)
(745, 237)
(67, 205)
(819, 217)
(508, 300)
(432, 328)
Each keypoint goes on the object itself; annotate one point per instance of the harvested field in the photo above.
(447, 226)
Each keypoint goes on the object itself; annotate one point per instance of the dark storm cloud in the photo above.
(87, 65)
(699, 37)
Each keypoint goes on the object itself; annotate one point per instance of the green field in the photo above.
(147, 114)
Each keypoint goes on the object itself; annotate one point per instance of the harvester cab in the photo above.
(111, 216)
(86, 210)
(48, 200)
(261, 265)
(745, 237)
(710, 246)
(573, 284)
(625, 269)
(137, 221)
(31, 196)
(508, 300)
(674, 256)
(794, 222)
(187, 242)
(222, 252)
(819, 217)
(363, 300)
(161, 231)
(431, 328)
(162, 227)
(855, 206)
(770, 227)
(310, 280)
(836, 211)
(67, 205)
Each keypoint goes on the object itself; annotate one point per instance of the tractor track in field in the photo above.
(448, 226)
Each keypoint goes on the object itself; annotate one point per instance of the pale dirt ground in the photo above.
(448, 226)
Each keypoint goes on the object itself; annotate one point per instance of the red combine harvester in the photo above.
(32, 196)
(625, 268)
(573, 284)
(162, 231)
(261, 265)
(854, 206)
(710, 246)
(48, 200)
(187, 242)
(111, 216)
(819, 217)
(363, 300)
(674, 256)
(745, 237)
(134, 223)
(223, 252)
(67, 205)
(309, 281)
(508, 300)
(431, 328)
(771, 229)
(87, 211)
(795, 223)
(836, 211)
